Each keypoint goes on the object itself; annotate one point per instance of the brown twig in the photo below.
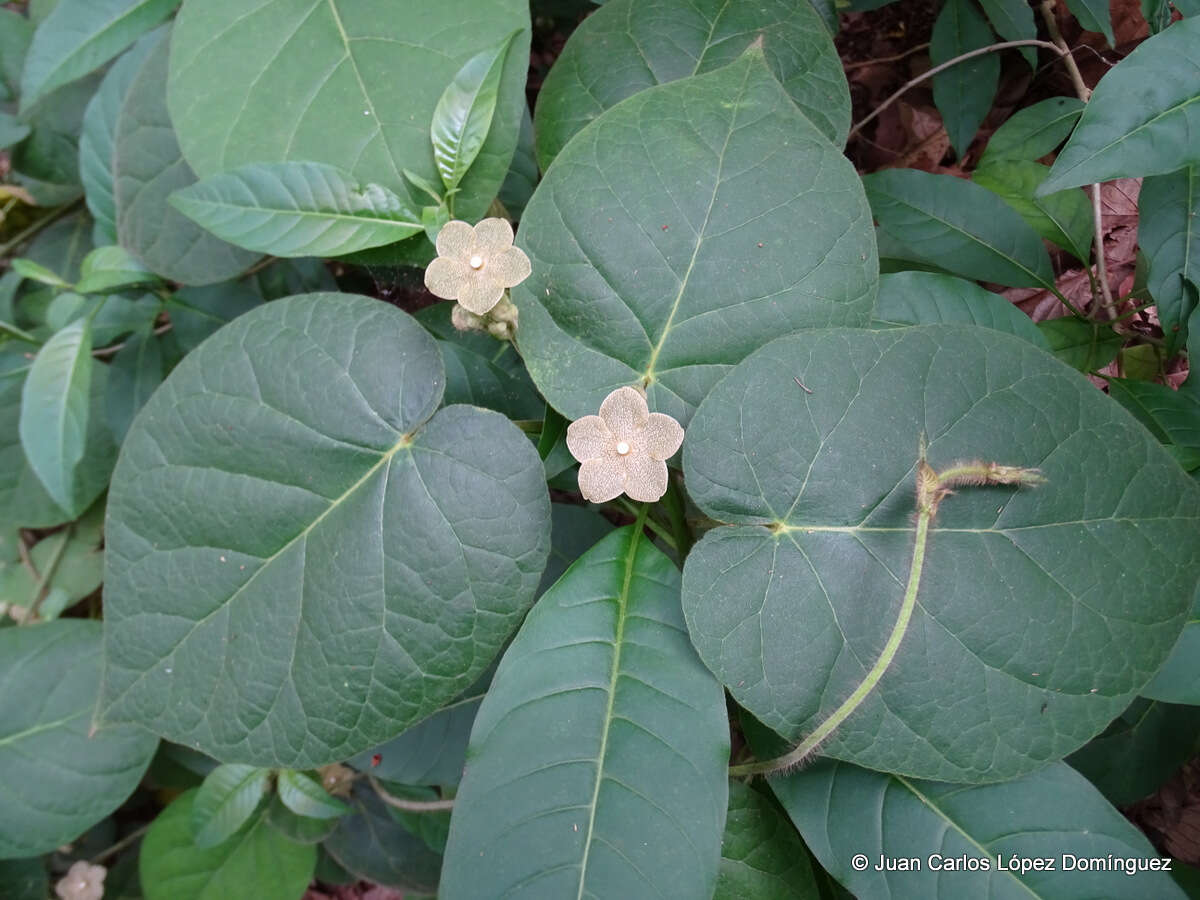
(1105, 299)
(850, 67)
(117, 348)
(950, 63)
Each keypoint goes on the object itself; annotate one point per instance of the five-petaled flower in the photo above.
(475, 265)
(82, 882)
(624, 449)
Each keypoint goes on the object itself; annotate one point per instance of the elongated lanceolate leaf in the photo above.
(292, 484)
(54, 413)
(226, 800)
(463, 115)
(258, 861)
(925, 298)
(953, 831)
(1031, 133)
(58, 781)
(963, 93)
(682, 230)
(1064, 219)
(1013, 21)
(306, 797)
(597, 761)
(1034, 599)
(1143, 115)
(631, 45)
(1094, 15)
(1169, 235)
(349, 83)
(80, 35)
(960, 226)
(297, 209)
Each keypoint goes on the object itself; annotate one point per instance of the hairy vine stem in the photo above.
(417, 806)
(932, 488)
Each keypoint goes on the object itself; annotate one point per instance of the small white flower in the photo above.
(82, 882)
(624, 449)
(475, 265)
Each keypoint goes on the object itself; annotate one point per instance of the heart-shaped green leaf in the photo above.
(291, 468)
(681, 231)
(259, 861)
(58, 781)
(297, 209)
(349, 83)
(226, 800)
(762, 857)
(80, 35)
(1054, 604)
(842, 811)
(147, 169)
(925, 298)
(1142, 117)
(631, 45)
(597, 760)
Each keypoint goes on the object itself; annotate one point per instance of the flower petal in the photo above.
(662, 436)
(446, 277)
(625, 413)
(601, 480)
(455, 240)
(510, 268)
(589, 438)
(645, 478)
(480, 294)
(493, 237)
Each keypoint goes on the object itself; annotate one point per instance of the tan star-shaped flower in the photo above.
(475, 265)
(624, 449)
(82, 882)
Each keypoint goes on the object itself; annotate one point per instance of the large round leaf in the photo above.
(682, 230)
(842, 810)
(147, 168)
(1040, 612)
(301, 563)
(631, 45)
(55, 780)
(350, 83)
(597, 761)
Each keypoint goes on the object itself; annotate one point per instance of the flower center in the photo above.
(622, 448)
(476, 262)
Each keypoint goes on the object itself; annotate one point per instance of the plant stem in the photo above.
(47, 576)
(851, 703)
(121, 844)
(1103, 299)
(677, 513)
(37, 226)
(886, 59)
(936, 70)
(416, 806)
(660, 532)
(116, 348)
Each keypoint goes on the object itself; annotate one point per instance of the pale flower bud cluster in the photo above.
(476, 265)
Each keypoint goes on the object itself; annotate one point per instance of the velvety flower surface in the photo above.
(82, 882)
(624, 449)
(475, 264)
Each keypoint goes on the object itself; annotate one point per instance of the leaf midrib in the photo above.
(300, 213)
(403, 442)
(622, 610)
(960, 230)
